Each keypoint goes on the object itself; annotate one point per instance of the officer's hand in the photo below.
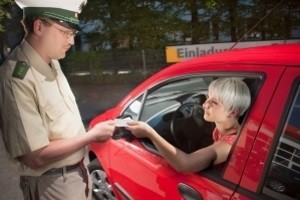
(103, 131)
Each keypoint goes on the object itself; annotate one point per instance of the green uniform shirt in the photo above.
(36, 106)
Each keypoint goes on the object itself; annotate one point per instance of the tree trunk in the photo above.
(232, 19)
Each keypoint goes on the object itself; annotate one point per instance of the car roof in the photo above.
(273, 55)
(280, 54)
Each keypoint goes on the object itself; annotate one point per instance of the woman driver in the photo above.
(228, 99)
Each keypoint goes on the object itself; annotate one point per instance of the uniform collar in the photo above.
(36, 61)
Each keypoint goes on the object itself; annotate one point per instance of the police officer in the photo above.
(39, 120)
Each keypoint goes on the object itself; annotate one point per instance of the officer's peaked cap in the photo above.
(64, 11)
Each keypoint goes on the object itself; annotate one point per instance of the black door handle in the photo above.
(189, 193)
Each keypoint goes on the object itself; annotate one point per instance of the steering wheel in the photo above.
(189, 129)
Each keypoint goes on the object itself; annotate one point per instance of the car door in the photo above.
(146, 175)
(273, 167)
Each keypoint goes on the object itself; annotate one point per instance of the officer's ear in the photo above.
(38, 27)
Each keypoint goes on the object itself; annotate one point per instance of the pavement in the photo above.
(92, 100)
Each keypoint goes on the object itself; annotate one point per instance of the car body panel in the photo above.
(149, 173)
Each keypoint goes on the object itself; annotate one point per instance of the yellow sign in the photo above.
(172, 55)
(184, 52)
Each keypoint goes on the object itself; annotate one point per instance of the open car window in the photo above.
(160, 110)
(174, 109)
(168, 107)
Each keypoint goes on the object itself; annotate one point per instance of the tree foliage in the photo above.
(147, 24)
(5, 12)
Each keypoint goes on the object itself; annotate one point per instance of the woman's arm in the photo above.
(180, 160)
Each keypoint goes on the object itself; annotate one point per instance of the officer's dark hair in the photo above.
(27, 23)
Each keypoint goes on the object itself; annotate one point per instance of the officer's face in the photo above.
(57, 39)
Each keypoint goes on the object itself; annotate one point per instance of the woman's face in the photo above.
(214, 110)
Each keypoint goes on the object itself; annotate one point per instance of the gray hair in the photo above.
(232, 92)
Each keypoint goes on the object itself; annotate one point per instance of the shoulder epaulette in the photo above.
(20, 70)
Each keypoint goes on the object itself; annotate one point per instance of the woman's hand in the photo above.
(140, 129)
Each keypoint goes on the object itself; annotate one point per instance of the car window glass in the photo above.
(134, 108)
(283, 177)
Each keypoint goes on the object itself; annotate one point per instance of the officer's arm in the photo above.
(60, 149)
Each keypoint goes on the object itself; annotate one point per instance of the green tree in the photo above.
(134, 24)
(191, 18)
(146, 24)
(141, 24)
(282, 18)
(5, 9)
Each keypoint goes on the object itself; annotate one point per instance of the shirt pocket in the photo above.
(55, 111)
(58, 115)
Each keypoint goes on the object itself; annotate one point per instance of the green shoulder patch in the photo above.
(20, 70)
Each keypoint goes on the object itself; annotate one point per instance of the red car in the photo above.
(264, 162)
